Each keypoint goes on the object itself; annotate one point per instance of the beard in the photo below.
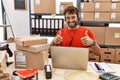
(72, 24)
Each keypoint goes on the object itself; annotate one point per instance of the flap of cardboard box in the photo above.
(34, 48)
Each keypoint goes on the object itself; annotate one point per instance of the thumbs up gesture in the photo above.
(58, 38)
(86, 40)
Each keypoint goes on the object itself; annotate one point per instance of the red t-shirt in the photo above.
(72, 38)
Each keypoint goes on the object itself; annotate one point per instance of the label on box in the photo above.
(97, 15)
(61, 7)
(113, 15)
(114, 6)
(97, 5)
(37, 2)
(117, 35)
(82, 15)
(20, 59)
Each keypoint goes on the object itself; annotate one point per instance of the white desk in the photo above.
(41, 74)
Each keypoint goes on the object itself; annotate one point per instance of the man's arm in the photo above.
(86, 40)
(95, 48)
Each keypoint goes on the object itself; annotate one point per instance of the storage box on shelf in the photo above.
(85, 6)
(93, 57)
(102, 0)
(86, 16)
(64, 5)
(112, 36)
(99, 33)
(107, 55)
(117, 56)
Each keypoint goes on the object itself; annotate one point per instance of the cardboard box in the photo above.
(107, 60)
(45, 6)
(28, 60)
(115, 7)
(64, 5)
(87, 6)
(102, 16)
(117, 56)
(87, 16)
(32, 40)
(115, 17)
(93, 57)
(34, 48)
(112, 36)
(102, 0)
(99, 33)
(107, 53)
(102, 6)
(115, 0)
(3, 60)
(5, 76)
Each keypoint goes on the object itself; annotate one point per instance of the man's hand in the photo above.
(86, 40)
(58, 38)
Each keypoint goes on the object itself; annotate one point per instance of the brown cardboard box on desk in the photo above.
(31, 40)
(29, 60)
(32, 52)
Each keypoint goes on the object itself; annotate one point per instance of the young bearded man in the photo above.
(74, 35)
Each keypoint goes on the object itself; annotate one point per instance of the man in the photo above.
(74, 35)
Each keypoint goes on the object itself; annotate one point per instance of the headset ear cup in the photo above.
(65, 18)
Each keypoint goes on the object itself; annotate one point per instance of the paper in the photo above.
(81, 75)
(60, 71)
(104, 65)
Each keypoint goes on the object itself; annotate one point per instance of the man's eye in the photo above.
(73, 17)
(67, 18)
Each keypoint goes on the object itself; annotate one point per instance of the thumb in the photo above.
(86, 33)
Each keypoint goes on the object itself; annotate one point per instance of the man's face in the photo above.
(71, 20)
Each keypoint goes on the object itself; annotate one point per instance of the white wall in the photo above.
(19, 19)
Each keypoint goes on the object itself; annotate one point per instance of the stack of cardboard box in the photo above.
(100, 10)
(4, 75)
(32, 52)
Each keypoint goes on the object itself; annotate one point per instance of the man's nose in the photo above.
(70, 20)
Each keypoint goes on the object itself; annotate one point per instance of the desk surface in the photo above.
(60, 74)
